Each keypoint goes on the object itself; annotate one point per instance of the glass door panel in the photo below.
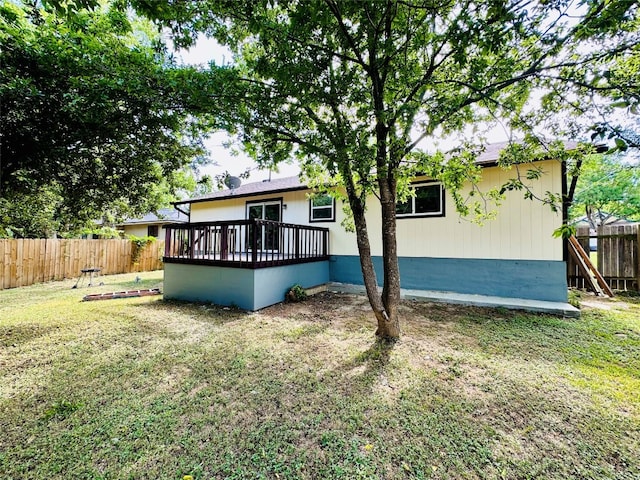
(268, 237)
(254, 212)
(271, 232)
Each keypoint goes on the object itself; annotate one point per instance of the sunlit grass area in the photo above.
(143, 388)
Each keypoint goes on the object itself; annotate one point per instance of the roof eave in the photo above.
(242, 195)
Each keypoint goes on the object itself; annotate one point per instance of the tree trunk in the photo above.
(385, 328)
(384, 306)
(389, 328)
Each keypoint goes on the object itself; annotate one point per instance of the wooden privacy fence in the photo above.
(617, 257)
(27, 261)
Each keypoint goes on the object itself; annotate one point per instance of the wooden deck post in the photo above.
(325, 247)
(167, 241)
(224, 243)
(254, 244)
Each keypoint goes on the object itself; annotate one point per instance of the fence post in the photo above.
(600, 249)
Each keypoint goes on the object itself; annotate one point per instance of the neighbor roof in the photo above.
(164, 215)
(488, 157)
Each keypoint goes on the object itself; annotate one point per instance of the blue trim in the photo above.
(245, 288)
(200, 283)
(530, 279)
(271, 284)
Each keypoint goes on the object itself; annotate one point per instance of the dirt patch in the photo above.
(619, 302)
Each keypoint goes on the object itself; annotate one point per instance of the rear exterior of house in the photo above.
(514, 255)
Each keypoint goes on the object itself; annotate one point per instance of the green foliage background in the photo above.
(95, 120)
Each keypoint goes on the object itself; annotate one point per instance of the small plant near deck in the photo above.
(61, 409)
(139, 244)
(296, 294)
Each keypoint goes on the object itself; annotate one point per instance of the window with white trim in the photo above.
(428, 201)
(322, 208)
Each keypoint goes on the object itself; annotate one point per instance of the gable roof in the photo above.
(491, 153)
(277, 185)
(603, 218)
(489, 157)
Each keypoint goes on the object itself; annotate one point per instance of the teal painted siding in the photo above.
(530, 279)
(271, 284)
(200, 283)
(244, 288)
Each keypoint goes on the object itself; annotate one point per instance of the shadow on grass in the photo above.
(219, 313)
(15, 335)
(229, 409)
(377, 355)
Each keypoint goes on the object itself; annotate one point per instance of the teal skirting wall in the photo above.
(531, 279)
(244, 288)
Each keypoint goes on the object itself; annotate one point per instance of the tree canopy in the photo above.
(608, 187)
(355, 89)
(95, 118)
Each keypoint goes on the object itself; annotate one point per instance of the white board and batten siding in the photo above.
(295, 208)
(523, 229)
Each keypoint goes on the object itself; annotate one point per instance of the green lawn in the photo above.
(142, 388)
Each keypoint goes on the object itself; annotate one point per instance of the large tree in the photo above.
(608, 187)
(353, 88)
(93, 116)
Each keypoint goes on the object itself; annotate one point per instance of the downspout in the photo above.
(566, 202)
(187, 213)
(569, 192)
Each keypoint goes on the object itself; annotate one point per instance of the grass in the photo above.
(145, 388)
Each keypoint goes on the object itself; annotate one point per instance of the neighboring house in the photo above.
(247, 246)
(597, 220)
(152, 225)
(600, 218)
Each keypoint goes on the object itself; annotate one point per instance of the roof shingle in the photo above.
(488, 157)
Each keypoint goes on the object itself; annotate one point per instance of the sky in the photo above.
(207, 50)
(202, 53)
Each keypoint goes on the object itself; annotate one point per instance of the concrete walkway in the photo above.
(553, 308)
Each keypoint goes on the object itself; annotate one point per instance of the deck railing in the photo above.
(245, 243)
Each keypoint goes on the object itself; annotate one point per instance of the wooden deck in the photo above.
(245, 244)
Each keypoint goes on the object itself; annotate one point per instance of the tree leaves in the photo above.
(93, 112)
(354, 89)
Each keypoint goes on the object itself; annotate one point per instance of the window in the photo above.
(152, 231)
(427, 202)
(322, 208)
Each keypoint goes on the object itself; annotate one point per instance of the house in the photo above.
(594, 222)
(152, 224)
(601, 218)
(247, 246)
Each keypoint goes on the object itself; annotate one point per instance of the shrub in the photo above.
(296, 294)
